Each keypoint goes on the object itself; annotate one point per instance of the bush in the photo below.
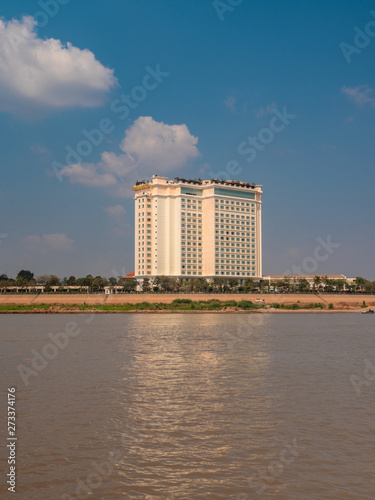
(291, 306)
(182, 301)
(230, 303)
(144, 305)
(210, 304)
(245, 304)
(315, 305)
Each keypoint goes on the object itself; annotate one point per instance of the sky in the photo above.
(95, 95)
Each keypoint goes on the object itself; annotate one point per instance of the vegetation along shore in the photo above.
(99, 303)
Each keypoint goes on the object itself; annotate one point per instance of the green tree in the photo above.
(303, 285)
(25, 275)
(287, 283)
(218, 285)
(233, 284)
(71, 281)
(360, 283)
(340, 285)
(249, 285)
(263, 286)
(328, 284)
(276, 285)
(198, 285)
(112, 281)
(87, 281)
(317, 281)
(97, 284)
(53, 281)
(130, 285)
(146, 287)
(165, 284)
(168, 284)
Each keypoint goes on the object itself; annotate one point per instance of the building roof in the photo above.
(129, 276)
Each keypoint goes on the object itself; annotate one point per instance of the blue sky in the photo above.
(218, 74)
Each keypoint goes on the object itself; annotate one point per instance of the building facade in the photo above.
(194, 228)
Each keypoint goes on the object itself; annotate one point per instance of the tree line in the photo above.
(167, 284)
(26, 278)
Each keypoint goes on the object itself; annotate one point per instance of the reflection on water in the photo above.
(194, 406)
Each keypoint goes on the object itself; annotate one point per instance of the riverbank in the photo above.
(163, 303)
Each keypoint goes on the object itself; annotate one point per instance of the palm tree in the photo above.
(317, 281)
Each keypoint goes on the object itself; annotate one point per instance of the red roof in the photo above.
(129, 276)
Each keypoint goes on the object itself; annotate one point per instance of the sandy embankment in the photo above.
(348, 302)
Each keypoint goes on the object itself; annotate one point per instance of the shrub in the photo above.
(315, 305)
(230, 303)
(291, 306)
(182, 301)
(245, 304)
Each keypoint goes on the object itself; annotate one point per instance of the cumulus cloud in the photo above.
(156, 144)
(48, 242)
(148, 147)
(89, 174)
(361, 95)
(47, 73)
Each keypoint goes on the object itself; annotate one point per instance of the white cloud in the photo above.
(115, 210)
(89, 175)
(361, 95)
(148, 147)
(48, 242)
(47, 73)
(158, 145)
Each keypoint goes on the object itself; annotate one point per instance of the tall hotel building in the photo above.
(189, 228)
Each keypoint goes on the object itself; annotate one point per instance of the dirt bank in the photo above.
(349, 302)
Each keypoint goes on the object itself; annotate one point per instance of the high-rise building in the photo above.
(189, 228)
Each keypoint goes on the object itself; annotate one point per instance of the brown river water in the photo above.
(190, 406)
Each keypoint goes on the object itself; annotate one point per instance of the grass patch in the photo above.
(182, 301)
(315, 305)
(176, 305)
(30, 307)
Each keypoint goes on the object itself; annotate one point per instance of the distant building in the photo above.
(310, 278)
(189, 228)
